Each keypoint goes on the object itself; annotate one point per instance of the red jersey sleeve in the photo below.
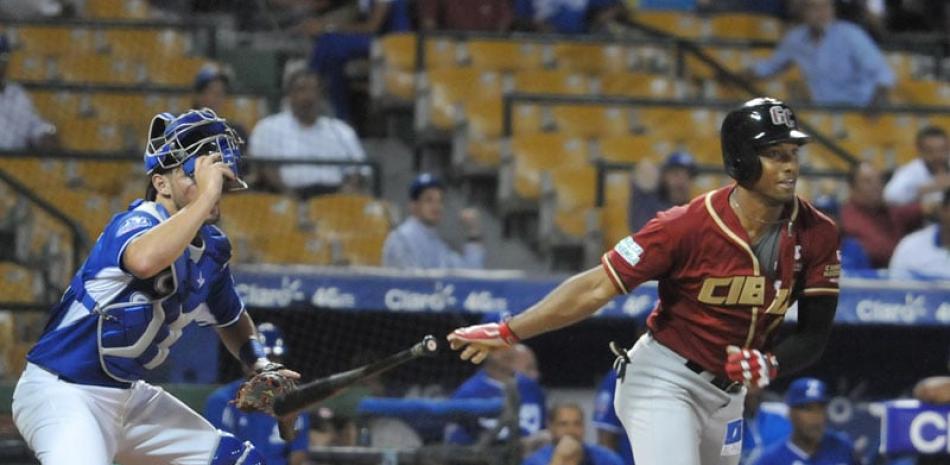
(822, 260)
(646, 255)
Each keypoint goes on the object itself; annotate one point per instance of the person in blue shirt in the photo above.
(810, 443)
(839, 61)
(260, 429)
(155, 269)
(610, 432)
(762, 427)
(489, 382)
(567, 16)
(336, 44)
(567, 447)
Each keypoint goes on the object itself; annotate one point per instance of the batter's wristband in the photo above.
(506, 334)
(251, 352)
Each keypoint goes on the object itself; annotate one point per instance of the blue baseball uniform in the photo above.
(565, 16)
(481, 386)
(763, 431)
(259, 428)
(835, 449)
(593, 455)
(605, 417)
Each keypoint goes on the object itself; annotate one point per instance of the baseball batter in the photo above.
(729, 264)
(155, 269)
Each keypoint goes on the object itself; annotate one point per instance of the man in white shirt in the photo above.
(20, 126)
(416, 244)
(926, 177)
(926, 253)
(301, 132)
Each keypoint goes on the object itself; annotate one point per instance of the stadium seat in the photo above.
(17, 283)
(116, 9)
(97, 69)
(641, 85)
(504, 55)
(745, 26)
(531, 118)
(24, 66)
(923, 92)
(575, 190)
(349, 214)
(107, 177)
(35, 173)
(450, 90)
(590, 121)
(52, 40)
(627, 148)
(179, 71)
(676, 23)
(614, 221)
(596, 58)
(143, 42)
(93, 135)
(551, 82)
(393, 57)
(533, 154)
(678, 124)
(245, 110)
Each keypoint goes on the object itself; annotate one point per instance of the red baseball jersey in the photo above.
(712, 290)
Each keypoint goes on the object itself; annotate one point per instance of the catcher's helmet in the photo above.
(272, 338)
(178, 140)
(746, 130)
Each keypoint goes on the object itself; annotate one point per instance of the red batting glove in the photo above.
(481, 340)
(751, 367)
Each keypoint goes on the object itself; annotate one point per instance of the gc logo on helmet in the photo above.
(179, 141)
(745, 132)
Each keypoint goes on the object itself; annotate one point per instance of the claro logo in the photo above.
(929, 433)
(411, 301)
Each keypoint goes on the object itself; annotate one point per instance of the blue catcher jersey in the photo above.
(835, 449)
(259, 428)
(110, 327)
(481, 386)
(605, 417)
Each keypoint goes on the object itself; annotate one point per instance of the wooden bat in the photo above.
(319, 389)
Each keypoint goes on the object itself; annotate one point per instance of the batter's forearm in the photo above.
(572, 301)
(803, 348)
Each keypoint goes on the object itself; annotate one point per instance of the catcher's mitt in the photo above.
(258, 393)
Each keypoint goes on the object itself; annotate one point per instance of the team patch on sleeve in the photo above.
(832, 271)
(132, 223)
(629, 250)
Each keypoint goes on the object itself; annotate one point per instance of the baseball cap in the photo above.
(680, 160)
(806, 391)
(208, 73)
(421, 183)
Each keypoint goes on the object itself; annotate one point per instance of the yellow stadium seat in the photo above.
(245, 110)
(551, 82)
(535, 153)
(98, 69)
(596, 58)
(93, 135)
(17, 284)
(361, 249)
(107, 177)
(53, 40)
(117, 9)
(884, 130)
(89, 210)
(529, 119)
(590, 120)
(179, 71)
(640, 85)
(746, 26)
(923, 92)
(819, 157)
(349, 214)
(36, 173)
(394, 63)
(576, 188)
(677, 23)
(24, 66)
(452, 89)
(678, 124)
(627, 148)
(167, 42)
(504, 55)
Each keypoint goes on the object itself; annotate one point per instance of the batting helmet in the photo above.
(272, 338)
(758, 123)
(174, 141)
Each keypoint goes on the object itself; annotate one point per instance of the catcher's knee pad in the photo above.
(231, 451)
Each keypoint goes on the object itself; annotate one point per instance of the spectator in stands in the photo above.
(212, 86)
(675, 186)
(574, 17)
(810, 441)
(839, 61)
(566, 423)
(302, 132)
(465, 15)
(926, 253)
(925, 178)
(490, 382)
(338, 44)
(877, 226)
(933, 390)
(416, 244)
(610, 432)
(20, 125)
(762, 428)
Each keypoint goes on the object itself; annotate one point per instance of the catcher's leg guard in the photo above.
(231, 451)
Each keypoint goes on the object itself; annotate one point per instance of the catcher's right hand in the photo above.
(258, 393)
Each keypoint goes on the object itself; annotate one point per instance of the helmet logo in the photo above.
(782, 115)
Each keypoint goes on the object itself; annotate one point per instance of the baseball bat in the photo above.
(322, 388)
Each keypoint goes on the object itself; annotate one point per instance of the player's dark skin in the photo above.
(583, 294)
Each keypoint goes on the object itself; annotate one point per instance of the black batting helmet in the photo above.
(746, 130)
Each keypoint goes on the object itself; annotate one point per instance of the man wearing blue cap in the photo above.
(416, 243)
(810, 443)
(21, 126)
(675, 186)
